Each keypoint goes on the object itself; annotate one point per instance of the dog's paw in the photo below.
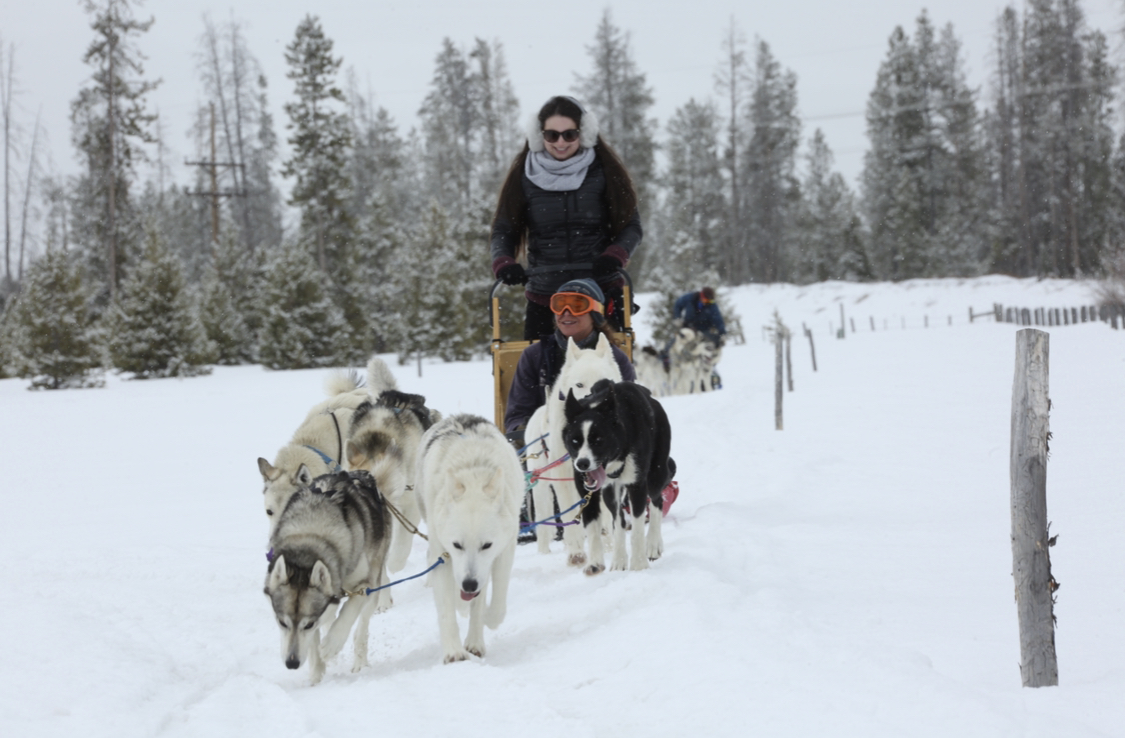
(385, 603)
(331, 646)
(640, 563)
(576, 559)
(494, 616)
(476, 649)
(655, 550)
(593, 569)
(316, 673)
(620, 561)
(452, 658)
(359, 663)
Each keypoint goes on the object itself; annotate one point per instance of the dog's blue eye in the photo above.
(282, 624)
(485, 546)
(310, 625)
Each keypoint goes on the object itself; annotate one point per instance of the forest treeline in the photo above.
(381, 242)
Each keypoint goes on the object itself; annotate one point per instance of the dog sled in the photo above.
(506, 354)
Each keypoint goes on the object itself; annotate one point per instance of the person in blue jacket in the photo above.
(578, 308)
(698, 310)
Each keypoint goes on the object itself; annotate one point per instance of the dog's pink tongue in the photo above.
(595, 479)
(466, 596)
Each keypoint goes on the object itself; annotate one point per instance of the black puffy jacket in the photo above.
(566, 232)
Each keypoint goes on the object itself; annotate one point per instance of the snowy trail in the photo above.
(849, 575)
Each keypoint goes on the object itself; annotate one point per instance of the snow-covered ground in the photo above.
(848, 576)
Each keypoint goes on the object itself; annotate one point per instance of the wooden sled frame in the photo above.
(506, 354)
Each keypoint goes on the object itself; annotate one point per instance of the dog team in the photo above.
(371, 466)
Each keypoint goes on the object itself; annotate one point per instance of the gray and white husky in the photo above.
(330, 542)
(384, 438)
(317, 444)
(469, 484)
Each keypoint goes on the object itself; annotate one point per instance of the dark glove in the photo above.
(512, 274)
(515, 437)
(606, 266)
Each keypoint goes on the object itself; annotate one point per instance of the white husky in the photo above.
(582, 369)
(469, 485)
(317, 444)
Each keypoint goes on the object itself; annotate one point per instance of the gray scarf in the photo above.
(553, 175)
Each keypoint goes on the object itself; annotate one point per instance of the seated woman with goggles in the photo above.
(578, 308)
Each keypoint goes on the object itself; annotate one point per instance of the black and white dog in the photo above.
(619, 441)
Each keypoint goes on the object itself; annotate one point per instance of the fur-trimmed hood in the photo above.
(588, 126)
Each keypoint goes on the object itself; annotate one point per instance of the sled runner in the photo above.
(506, 354)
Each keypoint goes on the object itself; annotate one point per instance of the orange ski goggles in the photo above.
(575, 302)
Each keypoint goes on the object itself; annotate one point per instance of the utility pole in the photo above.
(214, 193)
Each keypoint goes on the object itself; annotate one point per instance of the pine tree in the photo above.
(48, 329)
(620, 95)
(770, 185)
(321, 142)
(421, 304)
(498, 113)
(301, 325)
(229, 300)
(733, 81)
(154, 328)
(828, 233)
(695, 207)
(450, 113)
(923, 182)
(110, 129)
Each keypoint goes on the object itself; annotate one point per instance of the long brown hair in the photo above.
(621, 196)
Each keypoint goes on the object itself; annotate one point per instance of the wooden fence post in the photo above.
(812, 346)
(778, 340)
(1031, 561)
(789, 358)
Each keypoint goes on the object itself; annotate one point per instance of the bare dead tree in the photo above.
(29, 187)
(7, 83)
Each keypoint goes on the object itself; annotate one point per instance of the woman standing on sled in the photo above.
(569, 200)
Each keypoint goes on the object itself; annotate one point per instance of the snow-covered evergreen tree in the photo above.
(770, 186)
(47, 330)
(470, 101)
(229, 301)
(443, 292)
(321, 141)
(828, 241)
(733, 82)
(301, 325)
(924, 179)
(110, 128)
(619, 93)
(154, 327)
(498, 114)
(694, 205)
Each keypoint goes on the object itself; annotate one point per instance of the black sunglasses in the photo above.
(569, 136)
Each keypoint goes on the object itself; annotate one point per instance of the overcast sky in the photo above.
(834, 48)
